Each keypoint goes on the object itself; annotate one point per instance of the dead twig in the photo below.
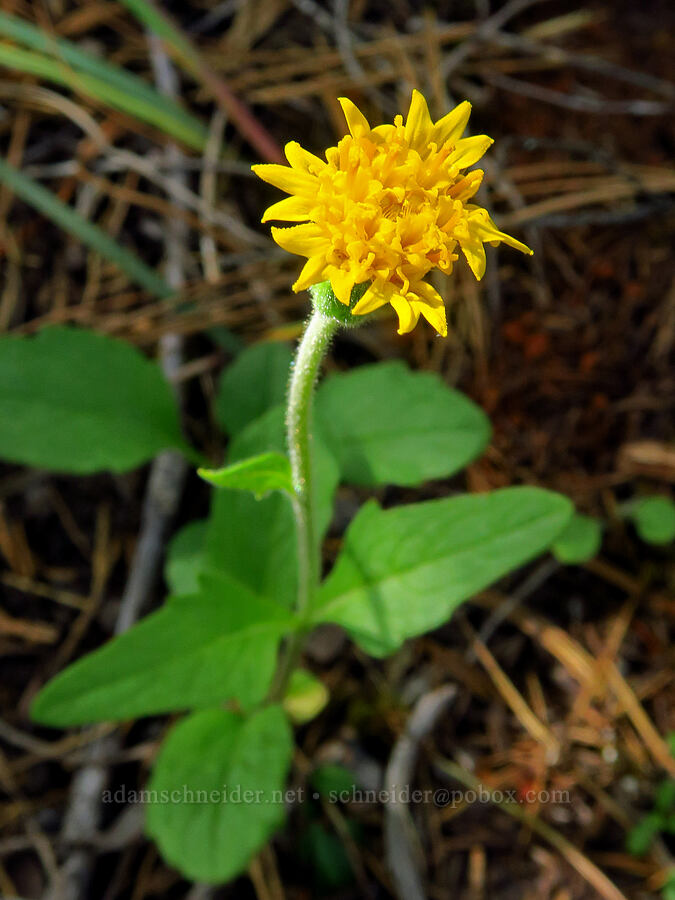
(401, 844)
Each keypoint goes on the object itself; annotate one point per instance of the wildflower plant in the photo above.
(386, 207)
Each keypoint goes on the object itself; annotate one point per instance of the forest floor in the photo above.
(564, 675)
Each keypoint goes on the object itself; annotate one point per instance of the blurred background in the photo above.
(564, 674)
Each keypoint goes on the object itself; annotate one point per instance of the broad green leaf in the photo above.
(388, 425)
(404, 571)
(254, 540)
(255, 382)
(579, 541)
(197, 651)
(75, 401)
(185, 558)
(260, 474)
(654, 519)
(217, 791)
(305, 698)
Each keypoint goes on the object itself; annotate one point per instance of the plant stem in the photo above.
(304, 373)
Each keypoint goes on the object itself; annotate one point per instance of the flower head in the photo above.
(386, 206)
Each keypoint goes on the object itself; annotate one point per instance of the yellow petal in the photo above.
(342, 283)
(452, 125)
(418, 124)
(407, 316)
(382, 133)
(302, 159)
(469, 150)
(473, 250)
(287, 179)
(304, 240)
(466, 188)
(483, 228)
(436, 318)
(431, 306)
(376, 296)
(290, 209)
(356, 121)
(312, 273)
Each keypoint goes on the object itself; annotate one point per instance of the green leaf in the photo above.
(226, 777)
(332, 780)
(255, 382)
(641, 836)
(254, 540)
(664, 799)
(259, 474)
(305, 698)
(388, 425)
(185, 558)
(654, 519)
(75, 401)
(197, 651)
(328, 858)
(404, 571)
(668, 889)
(579, 541)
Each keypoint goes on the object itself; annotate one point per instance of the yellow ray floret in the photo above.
(387, 206)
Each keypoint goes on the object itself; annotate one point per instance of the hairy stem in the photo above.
(304, 373)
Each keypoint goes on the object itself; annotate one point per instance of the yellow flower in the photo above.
(388, 205)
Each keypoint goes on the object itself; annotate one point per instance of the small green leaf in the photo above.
(217, 645)
(668, 889)
(388, 425)
(256, 381)
(326, 854)
(254, 540)
(579, 541)
(185, 558)
(664, 799)
(75, 401)
(641, 836)
(305, 698)
(216, 792)
(259, 474)
(331, 781)
(654, 519)
(404, 571)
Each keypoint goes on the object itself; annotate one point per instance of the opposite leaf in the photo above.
(75, 401)
(403, 571)
(217, 791)
(579, 541)
(256, 381)
(197, 651)
(388, 425)
(258, 474)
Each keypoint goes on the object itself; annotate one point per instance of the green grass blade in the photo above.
(91, 235)
(108, 83)
(156, 21)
